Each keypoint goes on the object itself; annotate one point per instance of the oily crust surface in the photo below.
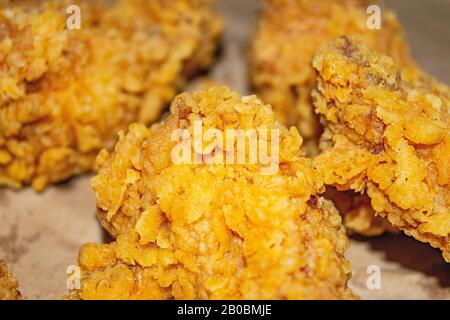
(9, 286)
(287, 36)
(64, 94)
(212, 231)
(387, 135)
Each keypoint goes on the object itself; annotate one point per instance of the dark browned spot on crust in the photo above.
(396, 84)
(34, 86)
(348, 47)
(376, 128)
(377, 148)
(312, 202)
(398, 79)
(183, 110)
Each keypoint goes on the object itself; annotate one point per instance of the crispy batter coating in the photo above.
(9, 286)
(390, 131)
(65, 94)
(288, 34)
(212, 231)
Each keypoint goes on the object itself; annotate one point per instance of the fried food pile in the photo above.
(387, 134)
(66, 93)
(287, 36)
(209, 230)
(9, 286)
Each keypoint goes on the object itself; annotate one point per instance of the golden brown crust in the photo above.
(199, 231)
(289, 33)
(390, 133)
(9, 286)
(65, 94)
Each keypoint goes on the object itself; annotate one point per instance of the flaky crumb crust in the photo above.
(65, 94)
(212, 231)
(388, 135)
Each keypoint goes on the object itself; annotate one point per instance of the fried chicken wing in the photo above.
(213, 230)
(9, 286)
(288, 34)
(66, 93)
(387, 135)
(287, 37)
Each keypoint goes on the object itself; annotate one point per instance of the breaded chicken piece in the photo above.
(65, 94)
(213, 231)
(390, 134)
(287, 36)
(9, 286)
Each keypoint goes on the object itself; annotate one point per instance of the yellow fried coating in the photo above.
(212, 231)
(390, 131)
(9, 286)
(287, 36)
(65, 93)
